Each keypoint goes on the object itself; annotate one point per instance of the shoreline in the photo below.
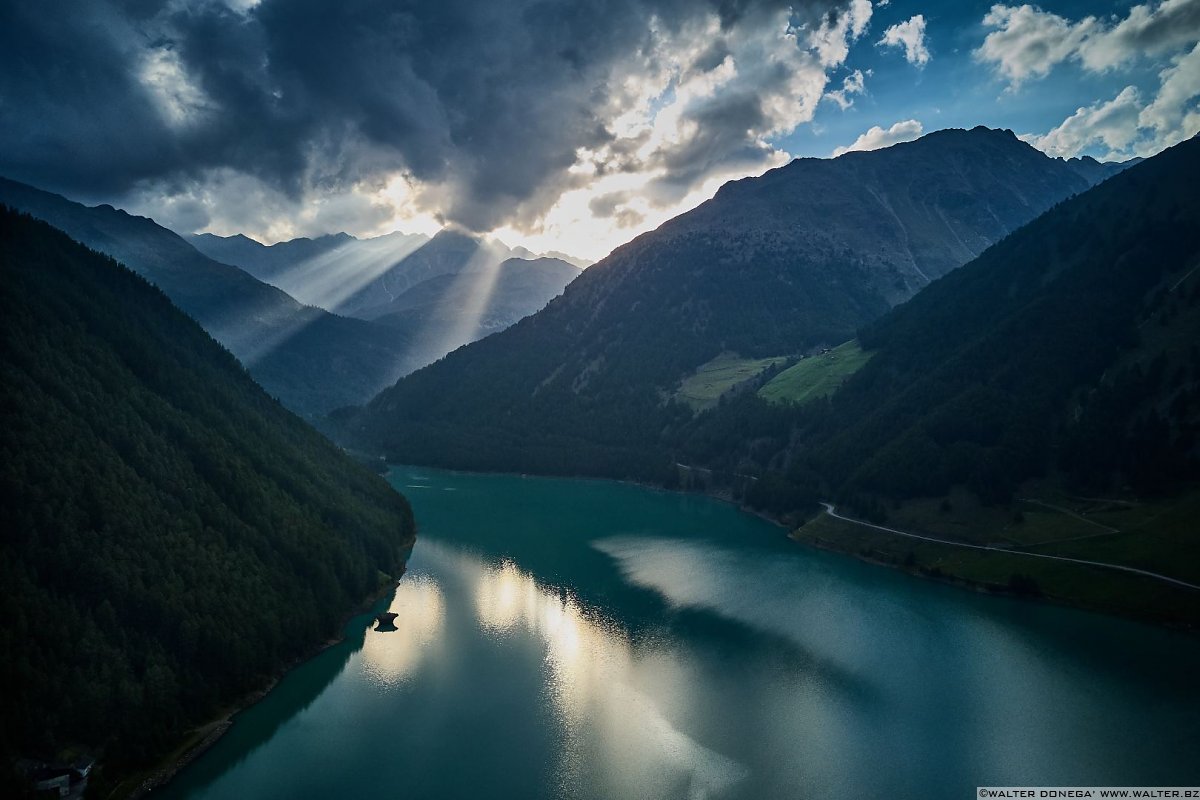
(967, 584)
(211, 731)
(161, 774)
(992, 589)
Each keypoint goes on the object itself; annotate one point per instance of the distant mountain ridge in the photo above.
(800, 256)
(1096, 171)
(445, 312)
(440, 292)
(265, 261)
(312, 360)
(338, 272)
(360, 277)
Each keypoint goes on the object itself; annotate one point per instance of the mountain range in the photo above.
(1069, 348)
(1030, 415)
(298, 313)
(310, 359)
(770, 268)
(443, 313)
(443, 292)
(959, 336)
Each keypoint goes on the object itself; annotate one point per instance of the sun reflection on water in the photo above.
(390, 657)
(599, 684)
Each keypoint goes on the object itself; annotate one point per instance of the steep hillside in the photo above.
(1078, 330)
(170, 536)
(771, 266)
(312, 360)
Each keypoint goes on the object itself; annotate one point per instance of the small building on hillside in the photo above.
(58, 779)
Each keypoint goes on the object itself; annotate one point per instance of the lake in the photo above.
(589, 639)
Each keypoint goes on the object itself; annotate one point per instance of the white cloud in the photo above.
(1172, 116)
(1112, 124)
(1149, 30)
(852, 84)
(676, 138)
(697, 99)
(1127, 125)
(225, 202)
(179, 100)
(1027, 42)
(910, 35)
(877, 137)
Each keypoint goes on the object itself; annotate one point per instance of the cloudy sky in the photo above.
(565, 125)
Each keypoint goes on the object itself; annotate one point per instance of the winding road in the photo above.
(832, 511)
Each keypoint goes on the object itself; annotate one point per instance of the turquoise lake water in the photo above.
(585, 639)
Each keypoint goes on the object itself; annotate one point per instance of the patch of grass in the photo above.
(816, 376)
(1159, 536)
(704, 388)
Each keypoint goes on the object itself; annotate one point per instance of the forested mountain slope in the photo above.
(771, 266)
(312, 360)
(1072, 347)
(1029, 416)
(170, 536)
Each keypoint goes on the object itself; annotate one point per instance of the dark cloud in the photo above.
(72, 112)
(488, 102)
(718, 142)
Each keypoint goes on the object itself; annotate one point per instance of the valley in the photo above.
(1002, 398)
(770, 266)
(590, 400)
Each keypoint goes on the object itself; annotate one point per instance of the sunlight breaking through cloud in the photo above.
(477, 280)
(328, 279)
(374, 127)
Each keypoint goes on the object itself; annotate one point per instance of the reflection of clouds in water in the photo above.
(771, 593)
(389, 657)
(616, 740)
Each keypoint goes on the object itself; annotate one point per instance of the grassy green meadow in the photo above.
(816, 376)
(702, 389)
